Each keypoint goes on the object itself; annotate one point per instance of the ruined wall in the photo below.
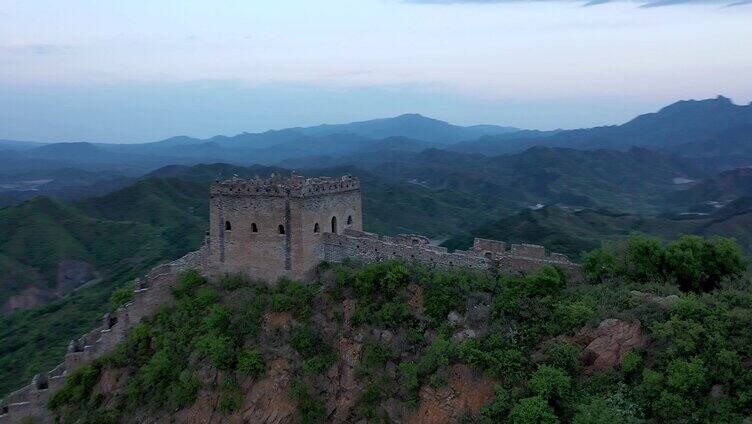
(485, 254)
(150, 292)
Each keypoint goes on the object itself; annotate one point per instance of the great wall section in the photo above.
(155, 289)
(149, 293)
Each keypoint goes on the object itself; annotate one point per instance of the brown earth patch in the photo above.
(466, 393)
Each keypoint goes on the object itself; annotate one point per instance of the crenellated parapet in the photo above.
(278, 186)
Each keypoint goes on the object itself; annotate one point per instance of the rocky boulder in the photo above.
(609, 342)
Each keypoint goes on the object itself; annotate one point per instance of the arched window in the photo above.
(228, 226)
(254, 228)
(316, 228)
(334, 224)
(349, 220)
(281, 229)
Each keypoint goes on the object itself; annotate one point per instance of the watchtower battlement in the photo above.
(273, 227)
(292, 186)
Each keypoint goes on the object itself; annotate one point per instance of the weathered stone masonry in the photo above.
(272, 228)
(484, 255)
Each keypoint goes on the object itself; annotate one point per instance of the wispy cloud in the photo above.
(642, 3)
(36, 49)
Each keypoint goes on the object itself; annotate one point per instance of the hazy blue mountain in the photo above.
(18, 145)
(683, 122)
(409, 125)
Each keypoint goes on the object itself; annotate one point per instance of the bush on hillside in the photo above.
(691, 262)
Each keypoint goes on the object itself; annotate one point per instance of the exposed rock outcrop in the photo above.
(609, 342)
(465, 394)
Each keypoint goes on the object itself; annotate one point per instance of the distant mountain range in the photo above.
(714, 132)
(694, 122)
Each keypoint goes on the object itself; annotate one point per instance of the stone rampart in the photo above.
(485, 254)
(150, 292)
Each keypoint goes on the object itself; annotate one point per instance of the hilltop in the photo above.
(396, 343)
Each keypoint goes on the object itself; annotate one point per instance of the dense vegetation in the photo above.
(576, 231)
(695, 367)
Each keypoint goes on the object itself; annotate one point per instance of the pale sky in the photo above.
(142, 70)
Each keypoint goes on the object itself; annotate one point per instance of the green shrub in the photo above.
(385, 278)
(699, 265)
(691, 262)
(565, 356)
(550, 383)
(439, 354)
(218, 319)
(532, 410)
(184, 391)
(599, 265)
(230, 396)
(652, 383)
(219, 349)
(373, 357)
(188, 283)
(599, 411)
(547, 280)
(121, 296)
(409, 376)
(395, 313)
(726, 366)
(446, 291)
(682, 337)
(643, 259)
(231, 282)
(294, 297)
(251, 362)
(320, 363)
(77, 387)
(672, 407)
(307, 341)
(686, 376)
(573, 314)
(631, 362)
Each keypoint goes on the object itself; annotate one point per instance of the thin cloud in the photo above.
(36, 49)
(643, 3)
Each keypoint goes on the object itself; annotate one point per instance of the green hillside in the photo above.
(39, 235)
(636, 181)
(573, 232)
(395, 343)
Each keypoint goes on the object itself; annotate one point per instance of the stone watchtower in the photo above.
(272, 228)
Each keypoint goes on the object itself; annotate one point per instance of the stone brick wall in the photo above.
(272, 228)
(485, 254)
(155, 289)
